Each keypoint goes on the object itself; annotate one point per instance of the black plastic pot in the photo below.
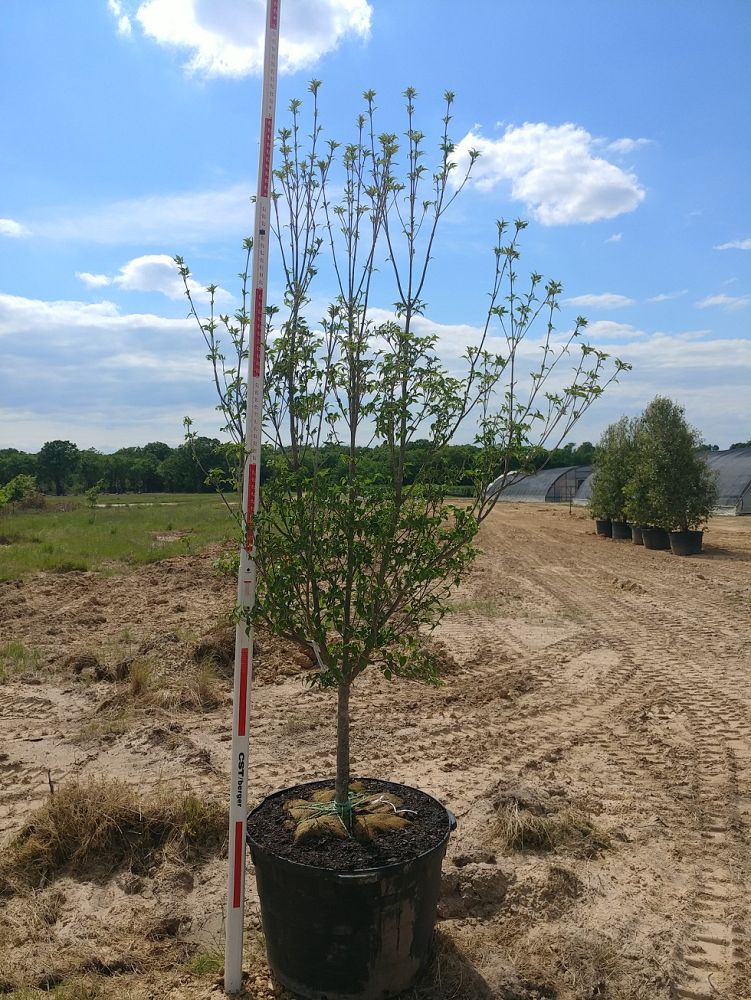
(686, 543)
(621, 530)
(605, 528)
(655, 538)
(355, 935)
(636, 537)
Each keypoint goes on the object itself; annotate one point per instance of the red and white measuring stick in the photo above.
(246, 580)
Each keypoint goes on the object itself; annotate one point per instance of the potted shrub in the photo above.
(599, 512)
(357, 569)
(672, 487)
(638, 508)
(612, 469)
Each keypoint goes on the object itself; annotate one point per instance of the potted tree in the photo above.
(672, 486)
(613, 460)
(347, 868)
(599, 510)
(639, 508)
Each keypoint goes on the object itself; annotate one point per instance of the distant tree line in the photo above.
(60, 467)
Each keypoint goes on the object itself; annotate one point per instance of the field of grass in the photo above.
(122, 530)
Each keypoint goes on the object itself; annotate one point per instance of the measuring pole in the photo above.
(246, 579)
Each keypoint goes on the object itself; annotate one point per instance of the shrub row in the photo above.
(650, 471)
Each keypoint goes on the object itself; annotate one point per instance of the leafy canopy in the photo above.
(359, 567)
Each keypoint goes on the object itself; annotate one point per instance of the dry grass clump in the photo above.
(199, 688)
(140, 678)
(143, 686)
(76, 989)
(98, 825)
(105, 727)
(219, 648)
(196, 688)
(532, 818)
(297, 725)
(579, 964)
(519, 829)
(450, 975)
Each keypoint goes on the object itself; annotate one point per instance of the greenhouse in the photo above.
(733, 470)
(584, 493)
(547, 486)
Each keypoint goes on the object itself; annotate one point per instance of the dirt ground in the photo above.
(582, 676)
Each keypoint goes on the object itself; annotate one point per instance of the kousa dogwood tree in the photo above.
(357, 569)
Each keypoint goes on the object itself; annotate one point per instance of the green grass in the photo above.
(16, 658)
(486, 607)
(76, 538)
(206, 963)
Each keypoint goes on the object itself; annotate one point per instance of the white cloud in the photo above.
(151, 273)
(178, 369)
(102, 377)
(70, 317)
(453, 339)
(731, 302)
(124, 26)
(99, 376)
(626, 145)
(735, 245)
(9, 227)
(615, 238)
(93, 280)
(607, 300)
(706, 373)
(155, 272)
(693, 366)
(553, 170)
(166, 220)
(668, 296)
(607, 329)
(103, 427)
(676, 356)
(226, 37)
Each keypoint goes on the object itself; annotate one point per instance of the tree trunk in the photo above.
(342, 750)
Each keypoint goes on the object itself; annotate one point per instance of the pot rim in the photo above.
(352, 873)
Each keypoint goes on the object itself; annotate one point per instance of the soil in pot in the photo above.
(636, 537)
(621, 530)
(343, 919)
(655, 538)
(686, 543)
(604, 527)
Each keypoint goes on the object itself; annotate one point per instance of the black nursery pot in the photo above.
(655, 538)
(621, 530)
(636, 537)
(604, 527)
(686, 543)
(361, 934)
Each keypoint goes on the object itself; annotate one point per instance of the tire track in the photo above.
(710, 957)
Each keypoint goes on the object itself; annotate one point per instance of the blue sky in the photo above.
(129, 134)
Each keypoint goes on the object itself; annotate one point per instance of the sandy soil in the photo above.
(580, 673)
